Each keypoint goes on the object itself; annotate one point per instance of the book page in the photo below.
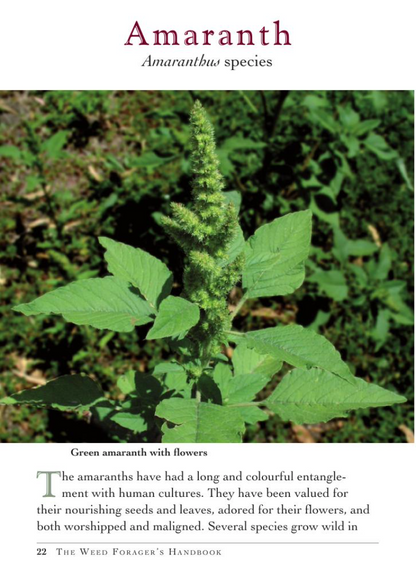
(206, 266)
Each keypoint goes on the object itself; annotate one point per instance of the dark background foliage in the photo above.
(76, 165)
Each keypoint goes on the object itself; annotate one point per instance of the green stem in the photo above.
(249, 102)
(244, 404)
(237, 333)
(239, 306)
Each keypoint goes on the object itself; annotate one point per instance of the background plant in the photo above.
(134, 152)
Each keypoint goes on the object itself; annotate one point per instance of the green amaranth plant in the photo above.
(203, 396)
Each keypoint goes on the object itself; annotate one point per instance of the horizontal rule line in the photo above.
(206, 543)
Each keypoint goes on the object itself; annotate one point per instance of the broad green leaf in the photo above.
(275, 256)
(348, 117)
(235, 247)
(32, 183)
(234, 197)
(322, 317)
(10, 151)
(311, 182)
(360, 273)
(401, 312)
(226, 165)
(112, 163)
(209, 390)
(261, 278)
(332, 283)
(220, 358)
(324, 119)
(176, 315)
(241, 143)
(352, 143)
(381, 329)
(365, 126)
(404, 317)
(130, 420)
(166, 368)
(199, 422)
(359, 301)
(222, 374)
(107, 303)
(248, 361)
(345, 247)
(174, 377)
(150, 160)
(252, 414)
(311, 396)
(148, 274)
(331, 218)
(178, 382)
(242, 388)
(378, 146)
(143, 392)
(146, 386)
(66, 392)
(379, 100)
(384, 263)
(394, 286)
(336, 183)
(127, 383)
(103, 410)
(147, 389)
(361, 248)
(314, 102)
(183, 346)
(299, 347)
(401, 165)
(54, 145)
(340, 249)
(235, 144)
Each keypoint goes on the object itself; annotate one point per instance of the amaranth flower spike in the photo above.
(204, 231)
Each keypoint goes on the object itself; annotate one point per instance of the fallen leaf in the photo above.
(265, 313)
(302, 434)
(29, 378)
(21, 363)
(410, 437)
(94, 174)
(6, 108)
(40, 222)
(71, 225)
(34, 195)
(375, 234)
(229, 352)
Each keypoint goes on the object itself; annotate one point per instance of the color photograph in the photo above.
(206, 266)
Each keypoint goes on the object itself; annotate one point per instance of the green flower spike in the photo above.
(204, 231)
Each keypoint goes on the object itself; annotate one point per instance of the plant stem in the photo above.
(237, 333)
(239, 306)
(249, 102)
(244, 404)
